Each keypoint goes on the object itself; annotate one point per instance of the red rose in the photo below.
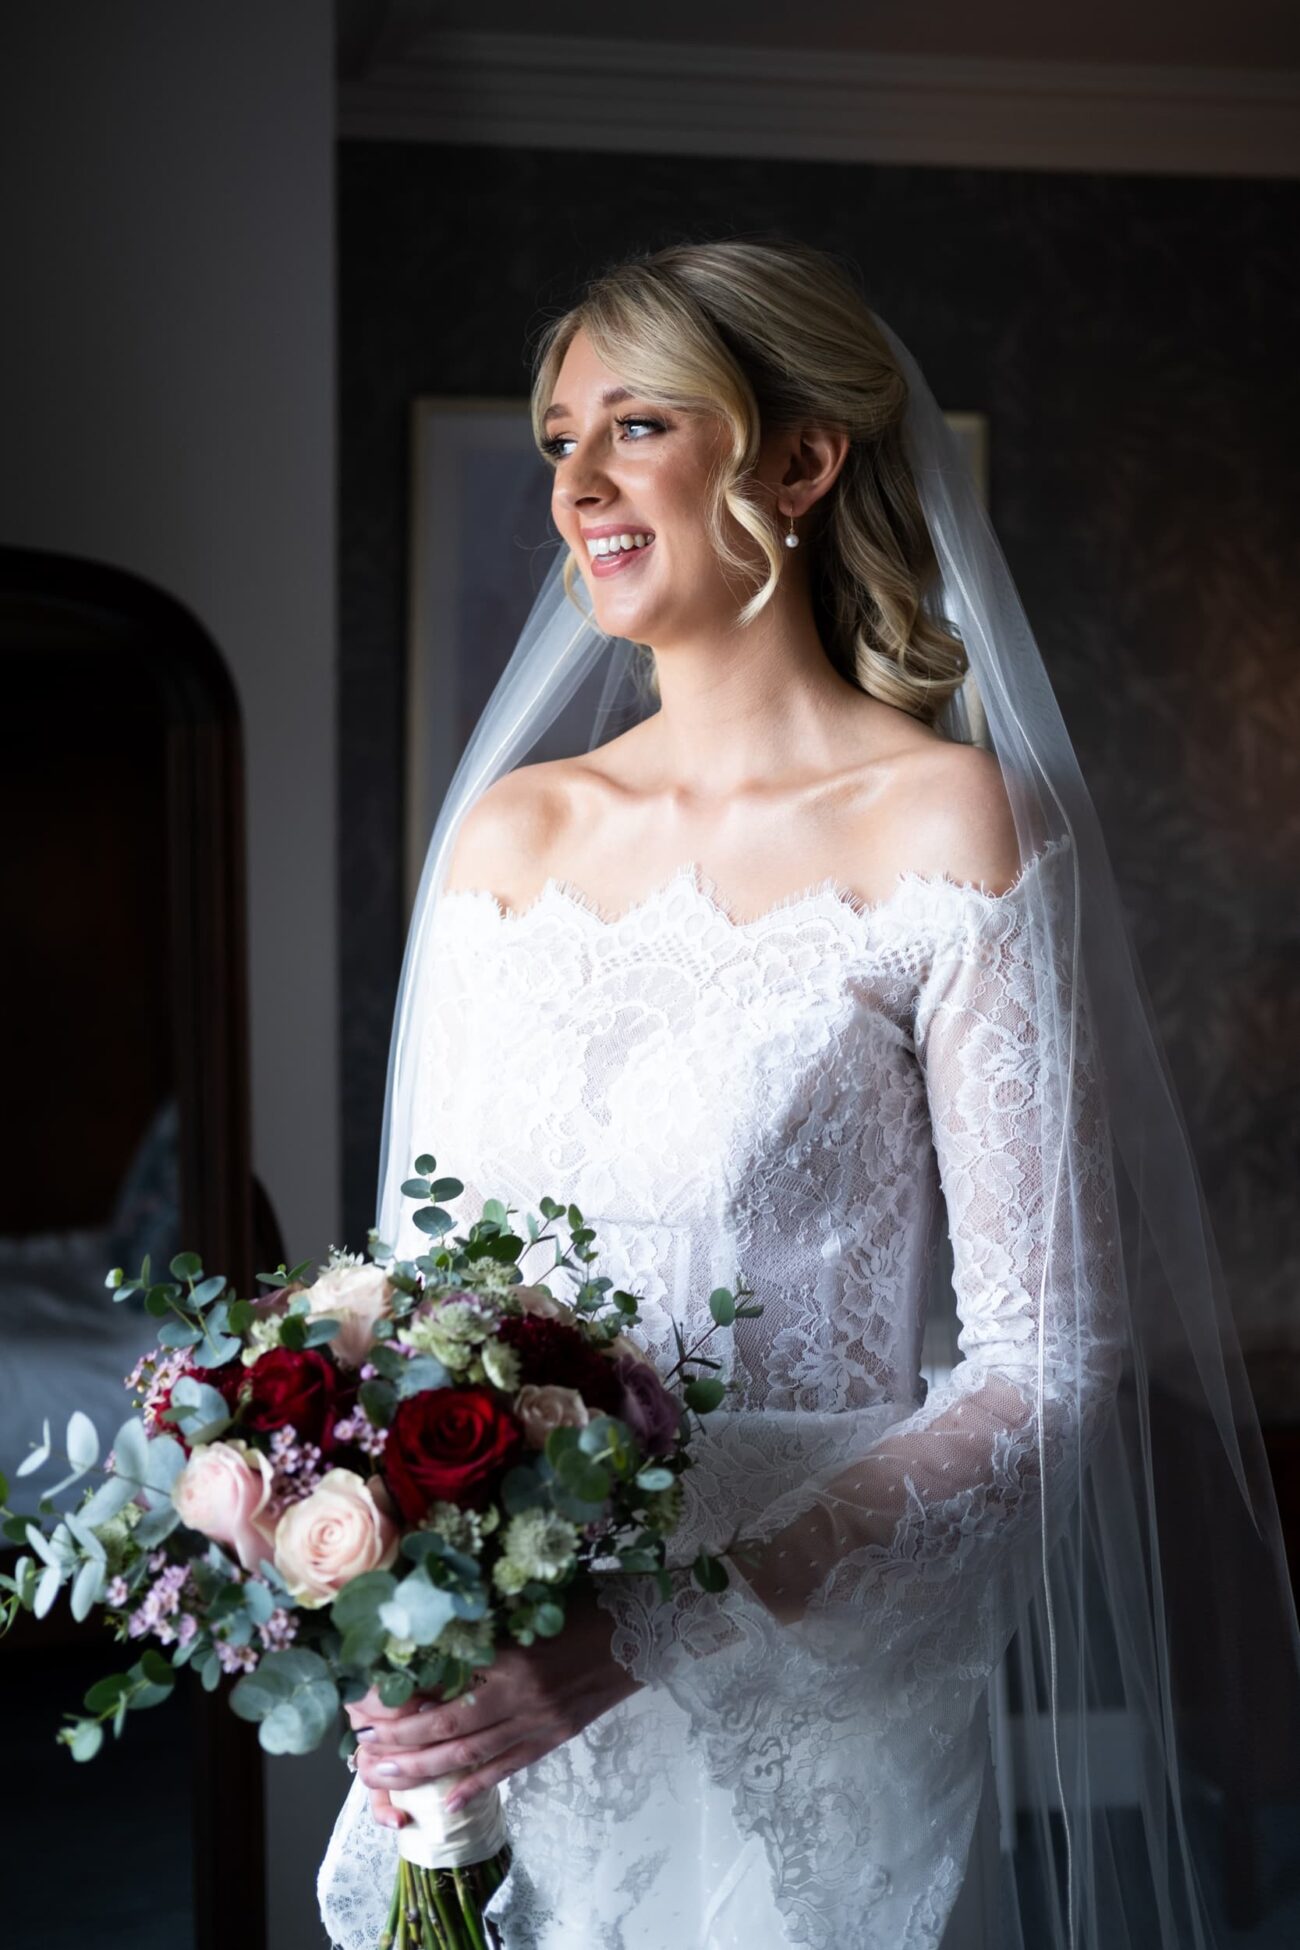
(294, 1388)
(552, 1354)
(447, 1444)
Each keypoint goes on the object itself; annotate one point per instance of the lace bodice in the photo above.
(795, 1099)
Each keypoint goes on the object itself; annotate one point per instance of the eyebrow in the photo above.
(610, 397)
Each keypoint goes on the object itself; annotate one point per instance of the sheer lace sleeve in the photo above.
(921, 1546)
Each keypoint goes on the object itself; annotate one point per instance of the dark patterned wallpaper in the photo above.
(1132, 340)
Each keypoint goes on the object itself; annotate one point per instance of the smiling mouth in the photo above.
(612, 555)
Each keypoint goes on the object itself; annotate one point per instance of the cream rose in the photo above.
(355, 1296)
(223, 1491)
(539, 1410)
(344, 1527)
(536, 1300)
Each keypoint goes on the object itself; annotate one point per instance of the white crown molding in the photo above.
(658, 98)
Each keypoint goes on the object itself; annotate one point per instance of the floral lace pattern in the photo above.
(796, 1099)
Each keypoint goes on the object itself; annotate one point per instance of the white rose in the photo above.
(223, 1492)
(539, 1410)
(355, 1296)
(340, 1530)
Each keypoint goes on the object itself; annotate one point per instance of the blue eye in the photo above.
(551, 448)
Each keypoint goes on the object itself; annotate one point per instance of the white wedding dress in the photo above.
(796, 1100)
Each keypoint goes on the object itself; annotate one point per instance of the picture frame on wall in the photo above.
(481, 543)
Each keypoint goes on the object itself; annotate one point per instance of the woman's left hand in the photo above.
(532, 1698)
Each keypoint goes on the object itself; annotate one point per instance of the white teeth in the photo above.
(616, 544)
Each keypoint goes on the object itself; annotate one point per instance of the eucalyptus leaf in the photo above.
(321, 1329)
(108, 1499)
(215, 1350)
(47, 1590)
(87, 1587)
(87, 1739)
(655, 1478)
(186, 1266)
(548, 1618)
(285, 1730)
(82, 1441)
(199, 1408)
(360, 1600)
(131, 1450)
(395, 1688)
(722, 1306)
(433, 1220)
(41, 1454)
(426, 1162)
(155, 1525)
(378, 1399)
(421, 1372)
(103, 1696)
(704, 1394)
(207, 1290)
(710, 1572)
(179, 1333)
(166, 1460)
(442, 1188)
(423, 1604)
(85, 1536)
(415, 1188)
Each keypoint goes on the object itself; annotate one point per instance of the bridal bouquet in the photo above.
(370, 1479)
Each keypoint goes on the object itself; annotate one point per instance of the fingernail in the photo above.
(389, 1769)
(365, 1733)
(427, 1706)
(453, 1802)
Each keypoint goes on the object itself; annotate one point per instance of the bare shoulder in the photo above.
(512, 831)
(949, 814)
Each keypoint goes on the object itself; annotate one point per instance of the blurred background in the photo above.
(268, 517)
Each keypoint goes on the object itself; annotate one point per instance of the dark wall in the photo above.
(1132, 340)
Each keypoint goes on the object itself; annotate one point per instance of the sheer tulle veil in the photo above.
(1123, 1755)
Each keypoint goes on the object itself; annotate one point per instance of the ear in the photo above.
(814, 457)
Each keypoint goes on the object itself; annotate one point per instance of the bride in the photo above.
(796, 980)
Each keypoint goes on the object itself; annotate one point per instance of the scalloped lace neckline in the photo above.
(703, 891)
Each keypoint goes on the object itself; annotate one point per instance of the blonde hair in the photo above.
(770, 334)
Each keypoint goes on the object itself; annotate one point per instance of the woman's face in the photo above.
(628, 497)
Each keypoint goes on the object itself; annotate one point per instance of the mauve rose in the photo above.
(539, 1410)
(355, 1296)
(648, 1409)
(223, 1492)
(341, 1529)
(622, 1345)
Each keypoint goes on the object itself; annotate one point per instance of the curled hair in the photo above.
(767, 335)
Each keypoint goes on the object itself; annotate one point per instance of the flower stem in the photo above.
(446, 1918)
(394, 1909)
(469, 1909)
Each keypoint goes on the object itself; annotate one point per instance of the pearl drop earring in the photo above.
(791, 539)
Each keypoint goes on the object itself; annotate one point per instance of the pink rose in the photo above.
(539, 1410)
(355, 1296)
(223, 1491)
(344, 1527)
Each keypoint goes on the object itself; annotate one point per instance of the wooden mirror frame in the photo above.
(225, 1214)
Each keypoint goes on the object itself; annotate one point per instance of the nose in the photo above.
(584, 484)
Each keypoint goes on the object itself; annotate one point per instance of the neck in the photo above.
(750, 706)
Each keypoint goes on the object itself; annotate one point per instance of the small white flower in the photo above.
(262, 1335)
(501, 1365)
(540, 1544)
